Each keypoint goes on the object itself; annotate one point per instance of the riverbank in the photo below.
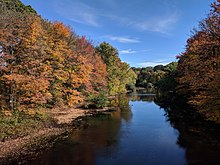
(28, 147)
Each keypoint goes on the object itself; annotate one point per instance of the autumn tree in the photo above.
(97, 68)
(45, 64)
(199, 68)
(38, 65)
(76, 68)
(21, 79)
(70, 70)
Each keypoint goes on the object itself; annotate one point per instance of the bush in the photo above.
(14, 124)
(98, 101)
(130, 87)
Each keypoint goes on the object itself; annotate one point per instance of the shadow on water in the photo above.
(146, 97)
(200, 138)
(97, 137)
(139, 132)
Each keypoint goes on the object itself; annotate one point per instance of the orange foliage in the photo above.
(199, 67)
(45, 63)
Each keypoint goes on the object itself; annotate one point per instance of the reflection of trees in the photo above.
(146, 90)
(97, 135)
(142, 95)
(200, 138)
(121, 103)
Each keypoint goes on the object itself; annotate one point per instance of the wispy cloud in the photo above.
(158, 24)
(78, 12)
(127, 51)
(123, 39)
(130, 51)
(93, 14)
(154, 63)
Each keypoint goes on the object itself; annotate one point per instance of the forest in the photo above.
(44, 64)
(199, 67)
(60, 89)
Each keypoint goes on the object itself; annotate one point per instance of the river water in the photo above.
(139, 132)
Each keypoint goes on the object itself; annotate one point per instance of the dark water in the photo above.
(140, 132)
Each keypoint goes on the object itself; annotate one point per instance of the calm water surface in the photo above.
(138, 133)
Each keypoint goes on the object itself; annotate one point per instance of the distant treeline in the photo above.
(45, 64)
(159, 77)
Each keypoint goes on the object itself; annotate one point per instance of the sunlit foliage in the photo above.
(199, 66)
(45, 64)
(119, 73)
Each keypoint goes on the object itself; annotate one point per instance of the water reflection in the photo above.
(137, 133)
(121, 103)
(200, 138)
(98, 139)
(142, 97)
(83, 145)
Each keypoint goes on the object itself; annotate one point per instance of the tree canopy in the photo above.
(119, 73)
(45, 64)
(199, 66)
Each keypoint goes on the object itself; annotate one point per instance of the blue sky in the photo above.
(145, 32)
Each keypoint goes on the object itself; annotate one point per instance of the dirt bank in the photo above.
(28, 146)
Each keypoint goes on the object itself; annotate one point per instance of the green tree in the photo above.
(118, 72)
(17, 6)
(168, 83)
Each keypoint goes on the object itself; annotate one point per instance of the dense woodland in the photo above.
(159, 78)
(45, 64)
(198, 79)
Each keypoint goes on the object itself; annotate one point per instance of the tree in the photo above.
(198, 67)
(118, 73)
(97, 68)
(21, 73)
(17, 6)
(45, 64)
(168, 83)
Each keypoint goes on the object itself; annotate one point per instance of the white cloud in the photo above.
(78, 12)
(153, 23)
(130, 51)
(123, 39)
(154, 63)
(158, 24)
(127, 51)
(92, 14)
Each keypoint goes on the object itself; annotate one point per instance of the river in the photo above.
(139, 132)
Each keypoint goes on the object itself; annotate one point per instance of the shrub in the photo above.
(98, 101)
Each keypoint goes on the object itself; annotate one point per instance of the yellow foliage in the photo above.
(7, 113)
(30, 112)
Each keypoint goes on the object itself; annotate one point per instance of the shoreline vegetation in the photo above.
(29, 146)
(46, 70)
